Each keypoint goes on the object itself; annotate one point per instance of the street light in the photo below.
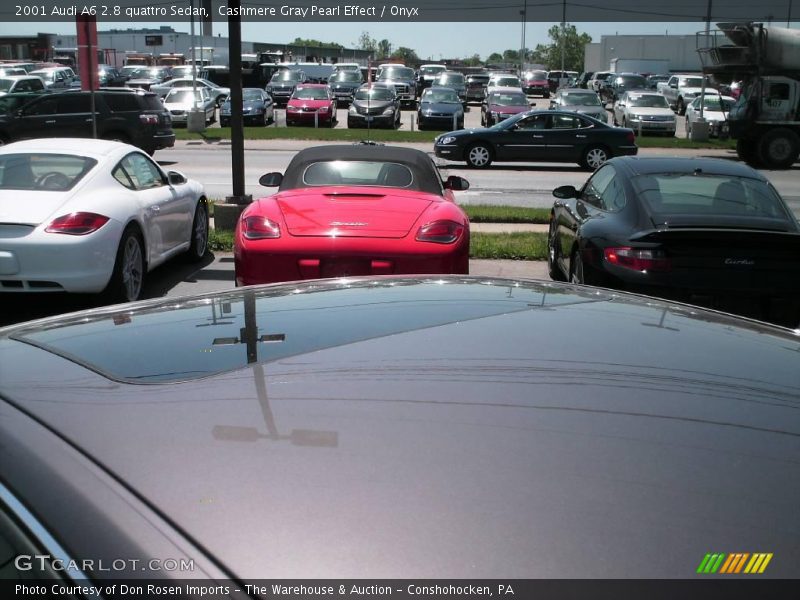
(524, 14)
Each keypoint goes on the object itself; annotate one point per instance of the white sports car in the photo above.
(91, 216)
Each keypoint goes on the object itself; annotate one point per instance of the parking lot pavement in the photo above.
(217, 274)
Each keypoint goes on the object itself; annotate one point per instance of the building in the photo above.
(680, 50)
(27, 47)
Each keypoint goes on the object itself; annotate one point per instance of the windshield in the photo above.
(346, 76)
(251, 94)
(719, 195)
(432, 70)
(580, 99)
(451, 78)
(693, 82)
(440, 96)
(182, 96)
(631, 81)
(374, 94)
(309, 93)
(714, 103)
(286, 76)
(506, 82)
(50, 172)
(358, 172)
(508, 99)
(397, 73)
(651, 101)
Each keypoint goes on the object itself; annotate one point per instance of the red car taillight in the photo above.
(149, 119)
(630, 137)
(260, 228)
(440, 232)
(79, 223)
(638, 259)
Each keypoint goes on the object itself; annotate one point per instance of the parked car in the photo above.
(557, 80)
(282, 84)
(502, 103)
(353, 210)
(644, 111)
(217, 93)
(581, 101)
(583, 79)
(344, 83)
(654, 80)
(383, 417)
(538, 135)
(131, 116)
(180, 101)
(186, 71)
(55, 78)
(147, 77)
(402, 79)
(10, 103)
(715, 111)
(534, 83)
(598, 80)
(427, 75)
(91, 216)
(440, 108)
(456, 82)
(681, 89)
(311, 104)
(709, 232)
(20, 83)
(257, 108)
(476, 86)
(621, 83)
(374, 105)
(110, 76)
(503, 80)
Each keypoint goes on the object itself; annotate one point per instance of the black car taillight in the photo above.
(638, 259)
(630, 137)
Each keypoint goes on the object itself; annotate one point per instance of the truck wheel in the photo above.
(746, 150)
(778, 148)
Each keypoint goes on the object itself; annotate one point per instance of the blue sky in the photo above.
(428, 39)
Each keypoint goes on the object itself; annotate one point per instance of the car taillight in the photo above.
(631, 137)
(149, 119)
(260, 228)
(638, 259)
(78, 223)
(440, 232)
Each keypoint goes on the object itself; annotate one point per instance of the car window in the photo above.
(534, 122)
(605, 190)
(566, 122)
(74, 103)
(121, 102)
(41, 171)
(137, 172)
(372, 173)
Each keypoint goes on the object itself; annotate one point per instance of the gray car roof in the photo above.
(439, 427)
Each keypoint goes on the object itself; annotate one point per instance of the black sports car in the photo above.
(538, 135)
(703, 231)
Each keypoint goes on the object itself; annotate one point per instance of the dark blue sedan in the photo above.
(440, 108)
(257, 108)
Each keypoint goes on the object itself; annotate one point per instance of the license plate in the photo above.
(370, 119)
(344, 268)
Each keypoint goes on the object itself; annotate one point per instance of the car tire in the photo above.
(198, 242)
(747, 152)
(576, 272)
(595, 157)
(127, 279)
(478, 156)
(552, 254)
(778, 148)
(221, 101)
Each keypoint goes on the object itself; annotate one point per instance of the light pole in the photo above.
(563, 41)
(524, 14)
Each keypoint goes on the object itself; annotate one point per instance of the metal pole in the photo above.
(237, 130)
(563, 42)
(708, 41)
(524, 23)
(194, 55)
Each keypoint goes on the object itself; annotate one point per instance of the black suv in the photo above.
(132, 116)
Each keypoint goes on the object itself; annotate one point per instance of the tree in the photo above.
(384, 48)
(574, 46)
(367, 42)
(315, 43)
(495, 57)
(473, 61)
(511, 55)
(405, 55)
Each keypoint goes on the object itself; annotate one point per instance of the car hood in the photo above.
(712, 115)
(372, 103)
(443, 427)
(20, 207)
(441, 107)
(342, 211)
(308, 103)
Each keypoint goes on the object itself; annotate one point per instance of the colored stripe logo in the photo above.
(732, 564)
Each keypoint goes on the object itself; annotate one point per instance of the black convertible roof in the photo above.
(426, 177)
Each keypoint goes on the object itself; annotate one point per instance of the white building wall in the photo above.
(680, 50)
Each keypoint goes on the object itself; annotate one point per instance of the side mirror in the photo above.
(456, 183)
(565, 192)
(176, 178)
(271, 179)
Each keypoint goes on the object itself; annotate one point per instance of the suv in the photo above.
(132, 116)
(403, 81)
(20, 83)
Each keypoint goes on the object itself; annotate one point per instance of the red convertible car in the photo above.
(353, 210)
(310, 101)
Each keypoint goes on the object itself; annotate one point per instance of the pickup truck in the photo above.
(681, 89)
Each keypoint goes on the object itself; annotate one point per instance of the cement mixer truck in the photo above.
(765, 121)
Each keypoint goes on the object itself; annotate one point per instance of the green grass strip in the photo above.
(489, 213)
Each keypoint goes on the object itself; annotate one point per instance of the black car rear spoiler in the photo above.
(767, 236)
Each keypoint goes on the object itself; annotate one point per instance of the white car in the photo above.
(715, 112)
(648, 112)
(218, 94)
(92, 216)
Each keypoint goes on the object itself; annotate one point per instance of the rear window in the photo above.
(47, 172)
(689, 194)
(309, 93)
(358, 173)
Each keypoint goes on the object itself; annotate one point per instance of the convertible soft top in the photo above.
(426, 177)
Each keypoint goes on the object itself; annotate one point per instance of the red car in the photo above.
(353, 210)
(535, 83)
(310, 101)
